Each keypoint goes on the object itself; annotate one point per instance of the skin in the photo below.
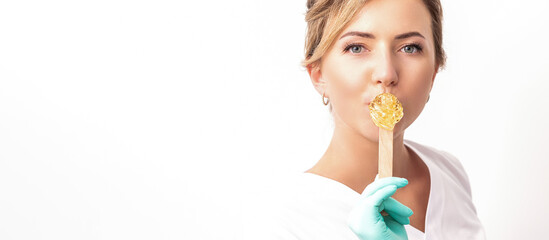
(351, 79)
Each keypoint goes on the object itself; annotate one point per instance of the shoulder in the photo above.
(449, 164)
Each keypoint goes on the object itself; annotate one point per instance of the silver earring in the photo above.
(325, 102)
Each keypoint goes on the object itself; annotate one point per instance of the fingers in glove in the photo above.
(395, 226)
(392, 206)
(381, 183)
(367, 211)
(400, 212)
(381, 195)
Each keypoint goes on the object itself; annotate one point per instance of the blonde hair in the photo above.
(326, 19)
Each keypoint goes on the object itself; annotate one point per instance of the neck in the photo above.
(352, 159)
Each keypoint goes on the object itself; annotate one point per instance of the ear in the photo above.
(316, 78)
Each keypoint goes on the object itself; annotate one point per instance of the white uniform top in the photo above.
(312, 207)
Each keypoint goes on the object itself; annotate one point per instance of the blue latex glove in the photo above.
(366, 221)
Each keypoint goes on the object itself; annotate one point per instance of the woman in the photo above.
(356, 50)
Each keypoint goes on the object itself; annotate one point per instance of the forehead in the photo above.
(392, 17)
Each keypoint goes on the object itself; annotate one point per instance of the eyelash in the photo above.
(416, 45)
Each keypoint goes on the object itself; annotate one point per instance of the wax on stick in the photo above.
(386, 111)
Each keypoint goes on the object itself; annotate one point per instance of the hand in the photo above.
(366, 221)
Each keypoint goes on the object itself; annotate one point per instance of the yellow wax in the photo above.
(386, 111)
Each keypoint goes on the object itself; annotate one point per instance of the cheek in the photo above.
(345, 80)
(348, 85)
(416, 84)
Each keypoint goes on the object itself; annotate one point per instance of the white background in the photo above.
(148, 119)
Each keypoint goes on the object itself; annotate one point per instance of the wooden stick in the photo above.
(385, 163)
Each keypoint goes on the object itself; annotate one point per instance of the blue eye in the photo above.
(412, 48)
(354, 48)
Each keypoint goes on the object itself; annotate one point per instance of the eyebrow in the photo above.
(369, 35)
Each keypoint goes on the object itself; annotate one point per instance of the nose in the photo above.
(385, 72)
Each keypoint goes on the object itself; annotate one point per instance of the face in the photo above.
(388, 47)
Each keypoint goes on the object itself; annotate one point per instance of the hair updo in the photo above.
(327, 18)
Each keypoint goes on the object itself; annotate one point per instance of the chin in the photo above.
(370, 132)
